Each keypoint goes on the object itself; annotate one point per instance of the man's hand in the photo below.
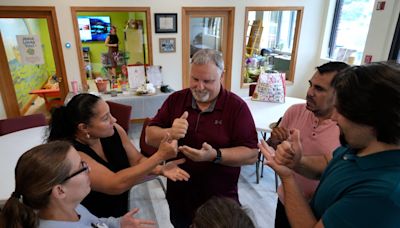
(289, 152)
(173, 172)
(270, 154)
(278, 135)
(179, 127)
(206, 153)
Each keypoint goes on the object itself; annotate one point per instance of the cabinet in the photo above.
(87, 62)
(254, 37)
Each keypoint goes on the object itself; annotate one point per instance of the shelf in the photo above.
(254, 38)
(88, 63)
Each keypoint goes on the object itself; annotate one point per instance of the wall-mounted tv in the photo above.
(93, 28)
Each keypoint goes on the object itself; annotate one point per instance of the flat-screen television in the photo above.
(93, 28)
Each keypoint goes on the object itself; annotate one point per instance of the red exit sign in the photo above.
(380, 5)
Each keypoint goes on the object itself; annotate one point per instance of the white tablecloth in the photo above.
(12, 146)
(142, 106)
(265, 113)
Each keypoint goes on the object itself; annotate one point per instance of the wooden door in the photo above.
(23, 70)
(207, 27)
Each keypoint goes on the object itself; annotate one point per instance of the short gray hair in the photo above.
(205, 56)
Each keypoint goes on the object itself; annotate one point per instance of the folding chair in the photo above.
(148, 151)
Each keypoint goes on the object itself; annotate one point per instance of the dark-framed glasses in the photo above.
(85, 168)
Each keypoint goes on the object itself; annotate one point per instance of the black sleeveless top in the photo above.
(113, 39)
(100, 204)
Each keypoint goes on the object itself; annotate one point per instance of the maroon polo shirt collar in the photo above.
(216, 104)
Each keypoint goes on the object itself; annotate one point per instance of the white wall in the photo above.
(382, 28)
(310, 43)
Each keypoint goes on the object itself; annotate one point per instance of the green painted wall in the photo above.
(47, 48)
(142, 16)
(118, 19)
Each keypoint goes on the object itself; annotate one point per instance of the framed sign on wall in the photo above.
(166, 22)
(167, 45)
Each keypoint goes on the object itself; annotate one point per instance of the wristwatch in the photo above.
(218, 158)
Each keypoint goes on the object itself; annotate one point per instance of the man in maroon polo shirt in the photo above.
(215, 132)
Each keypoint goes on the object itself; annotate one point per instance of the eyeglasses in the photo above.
(85, 168)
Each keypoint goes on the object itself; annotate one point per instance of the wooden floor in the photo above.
(260, 199)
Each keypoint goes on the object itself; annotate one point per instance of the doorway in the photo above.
(30, 58)
(133, 32)
(207, 27)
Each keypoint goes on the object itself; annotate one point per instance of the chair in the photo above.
(148, 151)
(145, 148)
(260, 160)
(122, 113)
(20, 123)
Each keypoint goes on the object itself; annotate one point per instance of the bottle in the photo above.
(351, 60)
(74, 85)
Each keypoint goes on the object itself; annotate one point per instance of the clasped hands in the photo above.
(168, 149)
(286, 156)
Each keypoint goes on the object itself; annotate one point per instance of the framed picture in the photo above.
(166, 22)
(167, 45)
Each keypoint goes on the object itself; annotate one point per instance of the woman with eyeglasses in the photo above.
(116, 165)
(50, 182)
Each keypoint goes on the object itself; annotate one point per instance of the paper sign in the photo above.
(154, 75)
(136, 76)
(30, 48)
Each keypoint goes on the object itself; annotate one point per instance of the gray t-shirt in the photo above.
(86, 219)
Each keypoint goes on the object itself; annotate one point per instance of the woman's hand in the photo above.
(129, 221)
(173, 172)
(168, 148)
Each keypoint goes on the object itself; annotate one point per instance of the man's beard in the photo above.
(310, 104)
(201, 96)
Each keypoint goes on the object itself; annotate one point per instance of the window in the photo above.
(349, 30)
(394, 54)
(270, 42)
(279, 34)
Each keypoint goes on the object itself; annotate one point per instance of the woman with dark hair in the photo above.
(50, 182)
(116, 165)
(112, 44)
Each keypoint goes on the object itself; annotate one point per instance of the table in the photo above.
(265, 113)
(52, 97)
(12, 146)
(142, 106)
